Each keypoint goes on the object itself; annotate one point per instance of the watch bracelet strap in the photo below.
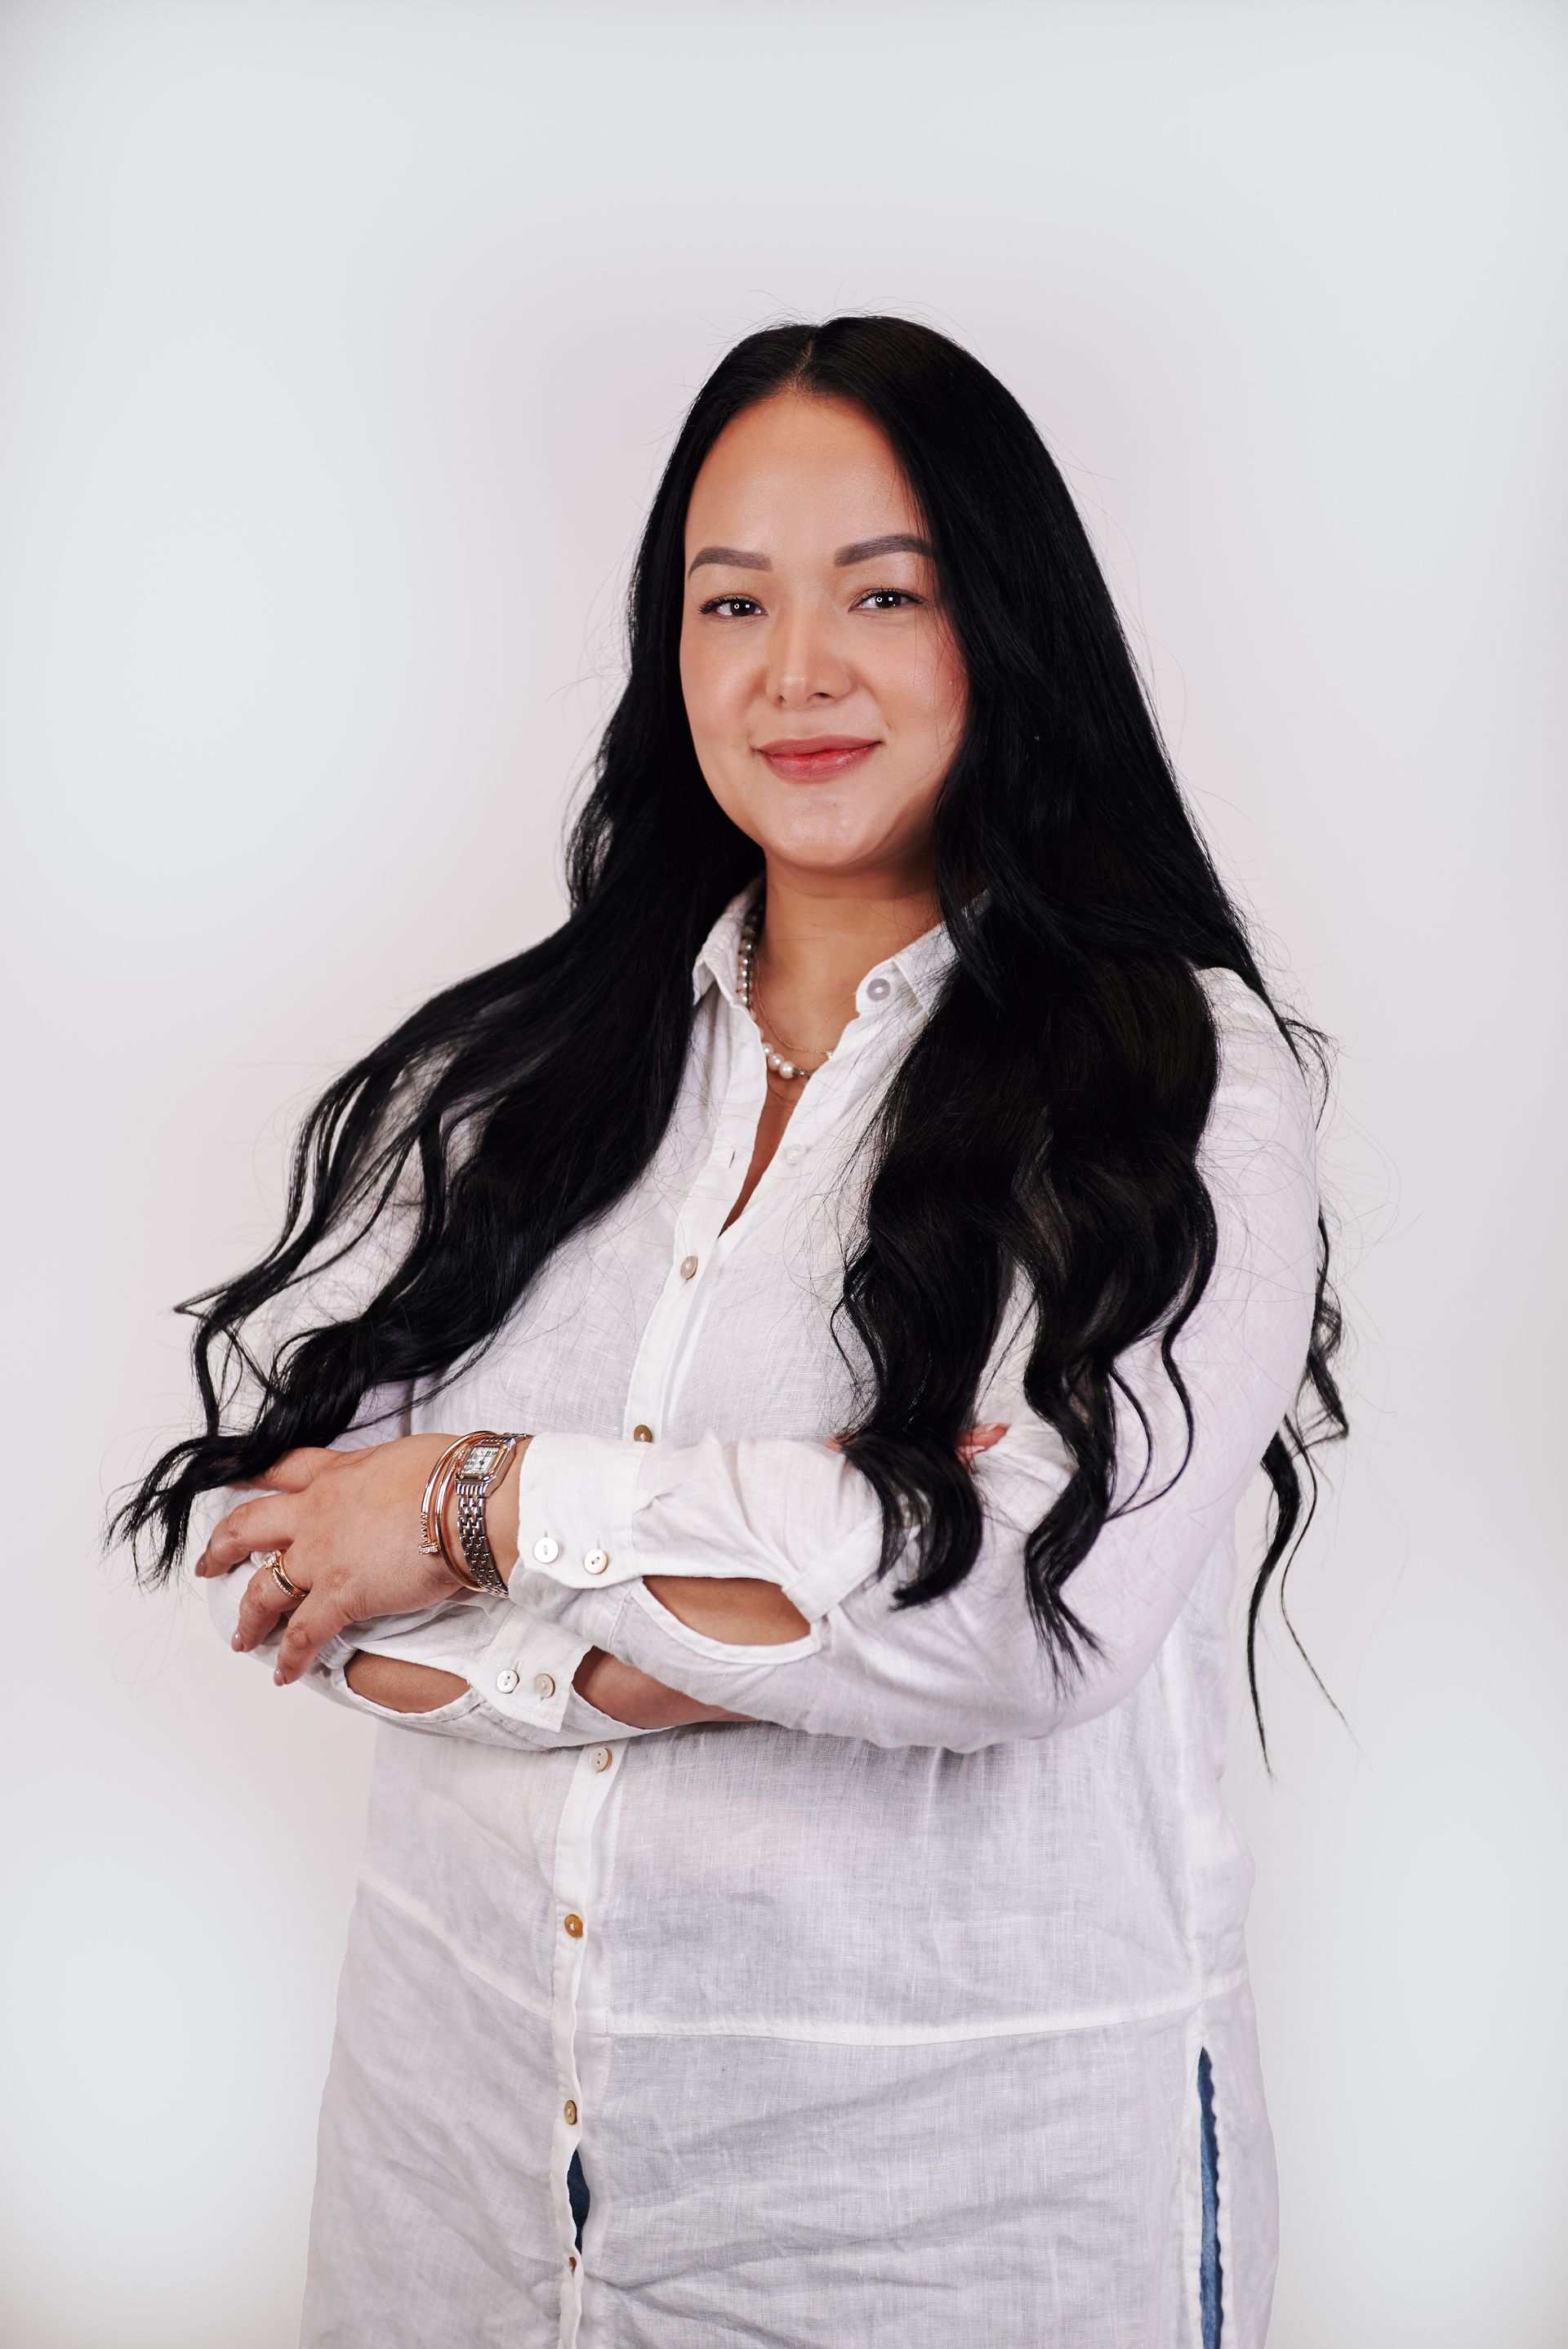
(473, 1497)
(474, 1535)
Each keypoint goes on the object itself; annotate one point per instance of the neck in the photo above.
(819, 940)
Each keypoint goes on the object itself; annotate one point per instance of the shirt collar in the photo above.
(917, 970)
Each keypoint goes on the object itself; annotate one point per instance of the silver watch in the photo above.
(479, 1470)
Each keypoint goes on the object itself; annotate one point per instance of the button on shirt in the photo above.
(888, 2004)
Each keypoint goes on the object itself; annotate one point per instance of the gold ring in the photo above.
(274, 1562)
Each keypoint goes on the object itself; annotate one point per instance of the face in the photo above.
(825, 694)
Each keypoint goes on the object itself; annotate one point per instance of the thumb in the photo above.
(296, 1470)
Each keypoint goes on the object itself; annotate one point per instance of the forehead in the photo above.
(797, 472)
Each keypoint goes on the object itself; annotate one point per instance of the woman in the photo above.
(884, 1213)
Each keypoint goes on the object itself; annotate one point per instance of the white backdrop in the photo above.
(341, 346)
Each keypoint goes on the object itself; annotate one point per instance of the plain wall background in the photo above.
(341, 346)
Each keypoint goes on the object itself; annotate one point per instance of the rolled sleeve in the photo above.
(594, 1513)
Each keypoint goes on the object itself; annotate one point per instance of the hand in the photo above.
(970, 1443)
(349, 1526)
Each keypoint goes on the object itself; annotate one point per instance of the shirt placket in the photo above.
(577, 1923)
(672, 1327)
(580, 1892)
(676, 1316)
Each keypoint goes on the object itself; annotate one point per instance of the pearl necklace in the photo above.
(748, 936)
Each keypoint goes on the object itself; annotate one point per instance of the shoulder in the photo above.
(1262, 1092)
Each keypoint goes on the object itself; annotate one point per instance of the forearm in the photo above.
(399, 1687)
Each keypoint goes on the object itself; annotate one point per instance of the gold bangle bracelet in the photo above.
(433, 1512)
(448, 1471)
(430, 1518)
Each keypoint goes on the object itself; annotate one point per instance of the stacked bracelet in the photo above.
(476, 1464)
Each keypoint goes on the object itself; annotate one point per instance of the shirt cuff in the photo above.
(527, 1670)
(576, 1496)
(520, 1661)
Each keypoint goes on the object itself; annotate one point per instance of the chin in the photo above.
(816, 853)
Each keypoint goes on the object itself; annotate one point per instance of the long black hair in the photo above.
(1039, 1138)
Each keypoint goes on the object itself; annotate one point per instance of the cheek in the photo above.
(708, 686)
(926, 695)
(950, 692)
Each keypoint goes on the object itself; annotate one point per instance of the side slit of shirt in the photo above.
(1210, 2274)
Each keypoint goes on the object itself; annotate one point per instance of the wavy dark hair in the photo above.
(1039, 1138)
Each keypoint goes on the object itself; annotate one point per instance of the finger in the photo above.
(264, 1600)
(318, 1621)
(263, 1523)
(296, 1470)
(976, 1439)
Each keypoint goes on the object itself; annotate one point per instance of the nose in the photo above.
(804, 666)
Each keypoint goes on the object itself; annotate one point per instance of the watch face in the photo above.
(479, 1459)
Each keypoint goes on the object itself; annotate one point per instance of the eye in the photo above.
(727, 607)
(886, 599)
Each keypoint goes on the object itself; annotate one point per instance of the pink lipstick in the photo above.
(816, 757)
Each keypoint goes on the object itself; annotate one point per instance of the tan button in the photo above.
(689, 1267)
(596, 1561)
(602, 1757)
(573, 1925)
(568, 2112)
(543, 1685)
(642, 1434)
(506, 1681)
(547, 1549)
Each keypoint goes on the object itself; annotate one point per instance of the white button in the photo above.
(546, 1549)
(602, 1757)
(596, 1561)
(794, 1153)
(506, 1681)
(878, 989)
(689, 1267)
(543, 1685)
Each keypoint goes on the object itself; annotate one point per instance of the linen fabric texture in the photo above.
(877, 2019)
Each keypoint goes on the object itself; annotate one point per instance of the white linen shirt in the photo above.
(877, 2020)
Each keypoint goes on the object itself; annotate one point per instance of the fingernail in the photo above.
(277, 1680)
(238, 1641)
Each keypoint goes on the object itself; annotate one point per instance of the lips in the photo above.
(816, 757)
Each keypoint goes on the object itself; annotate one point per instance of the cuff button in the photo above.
(543, 1685)
(596, 1561)
(546, 1549)
(506, 1681)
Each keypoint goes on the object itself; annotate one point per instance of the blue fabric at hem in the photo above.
(577, 2195)
(1209, 2274)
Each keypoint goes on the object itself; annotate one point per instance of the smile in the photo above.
(817, 757)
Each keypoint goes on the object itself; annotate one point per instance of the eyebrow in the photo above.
(897, 541)
(864, 550)
(736, 558)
